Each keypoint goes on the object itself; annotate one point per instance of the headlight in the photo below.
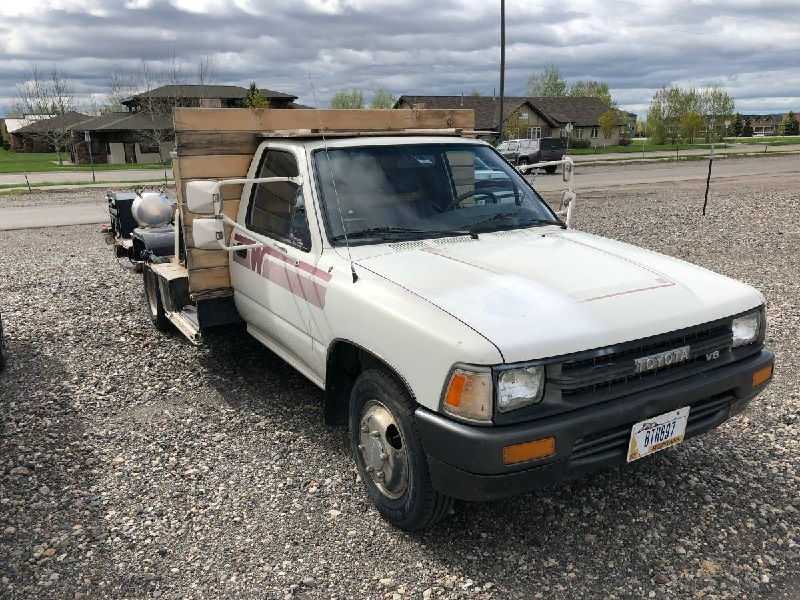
(746, 328)
(469, 394)
(519, 387)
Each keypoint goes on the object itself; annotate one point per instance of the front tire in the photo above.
(551, 169)
(522, 161)
(152, 300)
(389, 453)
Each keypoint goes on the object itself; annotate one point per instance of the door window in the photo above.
(278, 210)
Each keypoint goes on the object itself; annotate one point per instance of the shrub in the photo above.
(624, 141)
(579, 144)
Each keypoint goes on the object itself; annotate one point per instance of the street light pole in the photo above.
(502, 64)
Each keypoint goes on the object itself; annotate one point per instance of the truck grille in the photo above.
(614, 442)
(611, 372)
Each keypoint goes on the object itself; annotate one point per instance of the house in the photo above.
(123, 137)
(42, 135)
(11, 123)
(530, 117)
(202, 96)
(144, 134)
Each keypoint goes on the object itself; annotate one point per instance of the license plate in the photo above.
(657, 433)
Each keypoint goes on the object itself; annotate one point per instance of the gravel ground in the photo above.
(133, 465)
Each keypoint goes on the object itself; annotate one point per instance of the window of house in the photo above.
(148, 148)
(534, 133)
(595, 132)
(578, 131)
(278, 210)
(523, 115)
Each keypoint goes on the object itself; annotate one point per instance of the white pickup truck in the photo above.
(475, 345)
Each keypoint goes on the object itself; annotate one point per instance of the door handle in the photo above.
(280, 248)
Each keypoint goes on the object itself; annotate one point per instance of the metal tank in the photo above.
(153, 209)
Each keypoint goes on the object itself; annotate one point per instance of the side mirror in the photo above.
(566, 171)
(201, 196)
(208, 234)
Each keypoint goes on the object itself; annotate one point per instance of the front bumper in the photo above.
(466, 461)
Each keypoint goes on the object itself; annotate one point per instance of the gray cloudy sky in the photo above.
(313, 47)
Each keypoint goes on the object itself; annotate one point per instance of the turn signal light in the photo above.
(762, 375)
(529, 451)
(469, 395)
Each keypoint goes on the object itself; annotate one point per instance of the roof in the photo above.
(486, 108)
(65, 121)
(206, 91)
(580, 111)
(126, 121)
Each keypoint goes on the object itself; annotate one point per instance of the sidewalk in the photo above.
(670, 154)
(83, 177)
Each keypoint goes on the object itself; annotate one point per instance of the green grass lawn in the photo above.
(775, 140)
(35, 162)
(637, 147)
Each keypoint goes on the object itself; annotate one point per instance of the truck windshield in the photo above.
(381, 193)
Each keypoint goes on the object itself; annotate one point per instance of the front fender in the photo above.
(417, 339)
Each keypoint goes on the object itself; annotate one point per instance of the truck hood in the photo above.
(544, 292)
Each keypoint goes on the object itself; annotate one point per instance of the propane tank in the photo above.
(153, 209)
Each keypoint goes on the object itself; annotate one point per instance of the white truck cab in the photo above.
(475, 345)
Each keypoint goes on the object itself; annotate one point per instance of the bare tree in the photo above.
(51, 96)
(206, 70)
(157, 109)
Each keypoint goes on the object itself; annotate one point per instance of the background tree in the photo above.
(592, 89)
(348, 99)
(382, 99)
(691, 124)
(641, 128)
(789, 124)
(52, 95)
(717, 108)
(206, 70)
(747, 128)
(737, 125)
(475, 94)
(547, 83)
(255, 97)
(608, 122)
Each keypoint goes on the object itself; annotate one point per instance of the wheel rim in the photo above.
(382, 450)
(150, 287)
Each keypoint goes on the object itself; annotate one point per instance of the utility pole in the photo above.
(502, 64)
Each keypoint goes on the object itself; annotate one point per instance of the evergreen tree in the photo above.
(738, 125)
(790, 124)
(255, 97)
(747, 128)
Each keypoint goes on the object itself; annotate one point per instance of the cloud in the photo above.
(314, 47)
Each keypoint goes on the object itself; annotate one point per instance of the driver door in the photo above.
(268, 281)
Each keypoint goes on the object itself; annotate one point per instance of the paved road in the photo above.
(84, 176)
(609, 176)
(74, 213)
(91, 208)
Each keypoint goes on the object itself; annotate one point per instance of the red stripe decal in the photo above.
(279, 273)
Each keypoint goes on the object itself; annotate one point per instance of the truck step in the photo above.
(187, 323)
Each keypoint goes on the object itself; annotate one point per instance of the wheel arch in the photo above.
(345, 361)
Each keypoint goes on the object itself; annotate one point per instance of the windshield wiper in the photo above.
(400, 233)
(475, 227)
(377, 232)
